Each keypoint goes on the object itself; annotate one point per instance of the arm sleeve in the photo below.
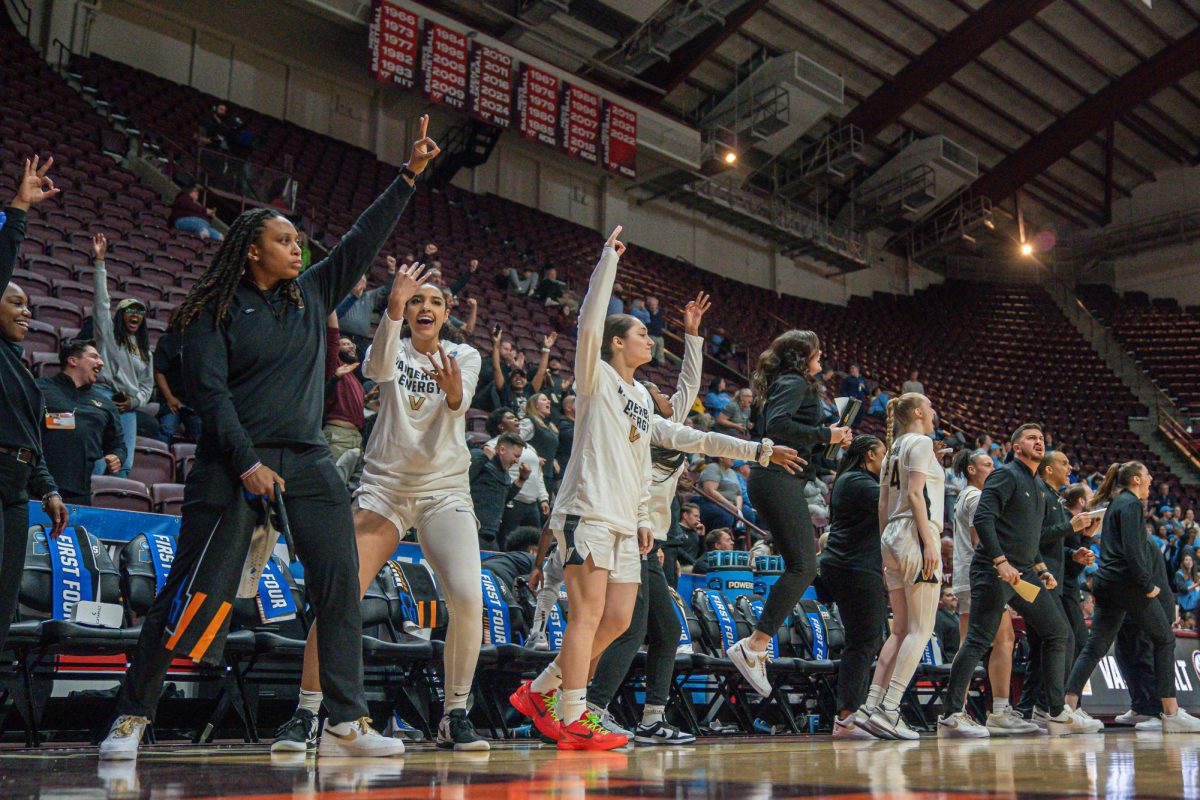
(918, 457)
(525, 429)
(644, 501)
(343, 308)
(592, 313)
(206, 374)
(381, 355)
(785, 396)
(334, 276)
(462, 282)
(513, 490)
(114, 440)
(689, 378)
(102, 310)
(145, 386)
(11, 236)
(995, 496)
(478, 461)
(1053, 528)
(469, 364)
(666, 433)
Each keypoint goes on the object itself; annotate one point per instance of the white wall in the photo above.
(1172, 271)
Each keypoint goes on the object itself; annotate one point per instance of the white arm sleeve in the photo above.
(469, 364)
(689, 378)
(666, 433)
(381, 355)
(102, 310)
(592, 313)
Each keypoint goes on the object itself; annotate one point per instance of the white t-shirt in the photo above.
(419, 444)
(913, 452)
(964, 548)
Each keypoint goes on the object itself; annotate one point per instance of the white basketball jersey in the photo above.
(913, 452)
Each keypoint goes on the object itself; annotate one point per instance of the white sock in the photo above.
(999, 705)
(653, 714)
(549, 679)
(541, 614)
(457, 697)
(310, 701)
(874, 695)
(572, 705)
(895, 693)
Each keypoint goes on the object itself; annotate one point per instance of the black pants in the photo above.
(1033, 687)
(1114, 603)
(670, 564)
(781, 505)
(318, 509)
(654, 617)
(516, 515)
(1135, 661)
(989, 596)
(861, 599)
(14, 527)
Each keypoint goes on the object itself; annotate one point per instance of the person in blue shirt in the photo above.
(655, 327)
(742, 468)
(855, 385)
(879, 401)
(616, 303)
(638, 309)
(717, 397)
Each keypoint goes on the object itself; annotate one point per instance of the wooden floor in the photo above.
(1114, 764)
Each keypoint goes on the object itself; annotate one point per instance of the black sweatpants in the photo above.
(654, 617)
(989, 596)
(783, 510)
(14, 527)
(861, 599)
(1134, 655)
(318, 509)
(1114, 603)
(1033, 687)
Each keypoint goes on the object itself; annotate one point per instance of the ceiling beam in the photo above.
(1133, 88)
(939, 62)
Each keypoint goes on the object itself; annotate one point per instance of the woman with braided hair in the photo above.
(253, 332)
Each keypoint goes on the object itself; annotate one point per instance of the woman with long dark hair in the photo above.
(538, 429)
(1125, 585)
(253, 361)
(789, 412)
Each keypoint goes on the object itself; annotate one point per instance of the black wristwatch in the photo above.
(408, 173)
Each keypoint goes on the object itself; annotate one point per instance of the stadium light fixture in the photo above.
(731, 158)
(1026, 249)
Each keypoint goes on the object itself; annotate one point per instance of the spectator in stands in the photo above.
(655, 327)
(1163, 497)
(719, 540)
(215, 131)
(524, 284)
(1189, 524)
(82, 425)
(552, 381)
(734, 418)
(829, 410)
(566, 322)
(637, 309)
(124, 345)
(690, 546)
(23, 471)
(492, 487)
(742, 468)
(718, 396)
(305, 250)
(946, 624)
(1087, 604)
(550, 289)
(510, 383)
(913, 384)
(189, 214)
(357, 310)
(878, 405)
(1168, 520)
(541, 433)
(455, 288)
(616, 303)
(344, 400)
(855, 385)
(174, 409)
(1187, 584)
(720, 495)
(532, 503)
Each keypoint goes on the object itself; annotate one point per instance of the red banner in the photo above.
(492, 77)
(581, 124)
(393, 44)
(444, 65)
(618, 136)
(537, 105)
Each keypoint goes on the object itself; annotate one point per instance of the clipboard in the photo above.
(849, 408)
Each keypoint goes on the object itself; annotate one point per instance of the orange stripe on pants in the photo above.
(192, 607)
(210, 633)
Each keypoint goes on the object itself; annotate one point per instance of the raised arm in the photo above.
(592, 313)
(102, 306)
(33, 188)
(670, 434)
(693, 358)
(497, 367)
(381, 355)
(539, 377)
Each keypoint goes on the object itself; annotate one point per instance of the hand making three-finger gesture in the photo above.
(447, 375)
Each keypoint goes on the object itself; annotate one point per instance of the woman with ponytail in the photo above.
(1129, 583)
(789, 412)
(253, 330)
(852, 574)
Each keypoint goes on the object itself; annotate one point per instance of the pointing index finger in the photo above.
(424, 126)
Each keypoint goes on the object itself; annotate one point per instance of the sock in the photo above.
(874, 696)
(572, 705)
(541, 614)
(999, 705)
(310, 701)
(652, 714)
(457, 697)
(895, 693)
(549, 679)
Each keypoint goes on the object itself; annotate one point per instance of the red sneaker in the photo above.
(541, 708)
(586, 733)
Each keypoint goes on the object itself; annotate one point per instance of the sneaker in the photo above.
(1094, 724)
(849, 728)
(1131, 717)
(1010, 723)
(541, 708)
(538, 641)
(298, 734)
(1041, 718)
(662, 732)
(959, 726)
(455, 732)
(357, 739)
(123, 738)
(1071, 722)
(586, 733)
(1152, 724)
(890, 725)
(609, 721)
(1180, 722)
(752, 665)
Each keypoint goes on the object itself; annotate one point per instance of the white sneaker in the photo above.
(1093, 723)
(1010, 723)
(1071, 722)
(662, 733)
(1041, 718)
(123, 739)
(357, 739)
(889, 724)
(1154, 724)
(752, 664)
(959, 726)
(538, 641)
(608, 721)
(849, 728)
(1181, 722)
(1131, 717)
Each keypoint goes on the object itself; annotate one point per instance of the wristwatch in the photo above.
(408, 173)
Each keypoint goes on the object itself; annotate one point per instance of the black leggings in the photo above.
(861, 599)
(1135, 661)
(1033, 689)
(779, 499)
(14, 527)
(1114, 602)
(654, 617)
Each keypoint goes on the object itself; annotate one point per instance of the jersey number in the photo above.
(894, 479)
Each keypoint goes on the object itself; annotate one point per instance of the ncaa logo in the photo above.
(1196, 662)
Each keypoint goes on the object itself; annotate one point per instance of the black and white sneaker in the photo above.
(662, 732)
(455, 732)
(298, 734)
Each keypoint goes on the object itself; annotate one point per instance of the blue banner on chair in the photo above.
(275, 600)
(71, 581)
(162, 553)
(820, 643)
(716, 601)
(773, 646)
(556, 627)
(496, 626)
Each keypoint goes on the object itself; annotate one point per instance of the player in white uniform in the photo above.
(912, 503)
(416, 476)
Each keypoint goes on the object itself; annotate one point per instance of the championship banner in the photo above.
(72, 581)
(444, 66)
(618, 136)
(581, 124)
(556, 628)
(162, 553)
(716, 602)
(392, 41)
(491, 78)
(495, 610)
(537, 105)
(274, 599)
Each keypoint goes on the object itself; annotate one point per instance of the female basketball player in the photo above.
(415, 476)
(1130, 583)
(789, 412)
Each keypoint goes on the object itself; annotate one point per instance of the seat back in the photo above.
(498, 605)
(417, 603)
(816, 631)
(687, 622)
(59, 573)
(718, 630)
(746, 611)
(145, 562)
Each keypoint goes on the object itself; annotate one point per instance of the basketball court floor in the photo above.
(1114, 764)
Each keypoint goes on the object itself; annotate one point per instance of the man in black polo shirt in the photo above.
(1009, 521)
(81, 425)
